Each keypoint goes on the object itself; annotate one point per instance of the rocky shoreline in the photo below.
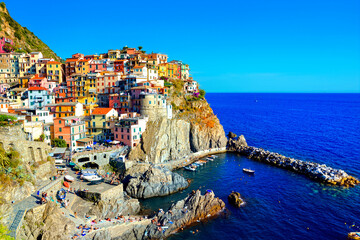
(315, 171)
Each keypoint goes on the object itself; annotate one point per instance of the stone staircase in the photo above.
(19, 209)
(17, 222)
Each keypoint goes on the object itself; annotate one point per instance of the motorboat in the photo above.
(69, 178)
(209, 159)
(92, 178)
(190, 168)
(248, 171)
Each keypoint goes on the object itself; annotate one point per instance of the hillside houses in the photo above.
(103, 98)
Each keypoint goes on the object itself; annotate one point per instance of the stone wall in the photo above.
(14, 137)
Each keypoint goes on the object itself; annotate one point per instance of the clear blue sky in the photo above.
(231, 46)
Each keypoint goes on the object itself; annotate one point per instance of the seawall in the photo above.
(315, 171)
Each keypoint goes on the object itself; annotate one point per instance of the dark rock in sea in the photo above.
(235, 199)
(155, 181)
(231, 135)
(318, 172)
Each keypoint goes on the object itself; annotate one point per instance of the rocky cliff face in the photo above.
(162, 140)
(46, 222)
(193, 128)
(155, 181)
(191, 210)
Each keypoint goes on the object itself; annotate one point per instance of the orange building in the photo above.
(70, 129)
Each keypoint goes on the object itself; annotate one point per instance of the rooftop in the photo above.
(101, 111)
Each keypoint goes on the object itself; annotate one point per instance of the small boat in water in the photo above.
(190, 168)
(209, 159)
(248, 171)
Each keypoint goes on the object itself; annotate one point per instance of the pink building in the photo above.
(107, 80)
(121, 103)
(129, 131)
(96, 66)
(136, 91)
(3, 42)
(37, 81)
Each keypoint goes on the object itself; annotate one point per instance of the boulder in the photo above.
(235, 199)
(155, 181)
(231, 135)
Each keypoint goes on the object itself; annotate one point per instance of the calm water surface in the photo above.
(323, 128)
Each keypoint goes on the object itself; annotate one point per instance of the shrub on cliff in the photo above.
(56, 142)
(4, 233)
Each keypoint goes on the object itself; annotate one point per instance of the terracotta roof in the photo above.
(101, 111)
(72, 60)
(53, 62)
(83, 60)
(37, 88)
(138, 66)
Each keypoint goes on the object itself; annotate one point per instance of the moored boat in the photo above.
(248, 171)
(190, 168)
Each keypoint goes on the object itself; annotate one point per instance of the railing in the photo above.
(74, 124)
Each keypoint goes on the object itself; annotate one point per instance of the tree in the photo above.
(202, 93)
(56, 142)
(140, 47)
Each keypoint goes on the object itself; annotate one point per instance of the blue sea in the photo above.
(280, 204)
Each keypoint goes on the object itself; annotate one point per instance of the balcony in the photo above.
(75, 123)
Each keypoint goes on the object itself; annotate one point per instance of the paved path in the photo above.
(178, 163)
(19, 209)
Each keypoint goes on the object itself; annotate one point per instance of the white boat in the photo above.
(69, 178)
(209, 159)
(213, 156)
(92, 178)
(248, 171)
(188, 168)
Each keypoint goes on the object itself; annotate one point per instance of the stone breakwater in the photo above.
(315, 171)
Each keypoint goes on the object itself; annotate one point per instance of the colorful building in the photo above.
(65, 109)
(54, 71)
(100, 123)
(129, 131)
(39, 97)
(70, 129)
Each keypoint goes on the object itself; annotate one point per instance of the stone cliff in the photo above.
(155, 181)
(194, 128)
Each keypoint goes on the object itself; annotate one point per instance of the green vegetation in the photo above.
(4, 117)
(4, 230)
(24, 40)
(11, 167)
(2, 5)
(41, 138)
(56, 142)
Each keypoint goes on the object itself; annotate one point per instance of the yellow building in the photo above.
(54, 71)
(101, 123)
(85, 88)
(162, 70)
(82, 67)
(24, 81)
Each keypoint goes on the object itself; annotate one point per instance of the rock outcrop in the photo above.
(193, 209)
(115, 207)
(235, 199)
(316, 171)
(354, 235)
(154, 181)
(194, 128)
(162, 140)
(46, 222)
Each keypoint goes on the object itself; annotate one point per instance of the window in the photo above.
(59, 121)
(60, 130)
(128, 138)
